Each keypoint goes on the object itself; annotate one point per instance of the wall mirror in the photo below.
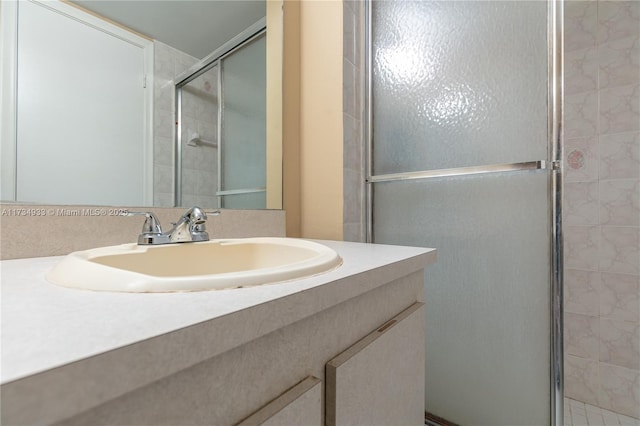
(93, 107)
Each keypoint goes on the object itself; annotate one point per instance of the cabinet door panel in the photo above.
(380, 379)
(300, 405)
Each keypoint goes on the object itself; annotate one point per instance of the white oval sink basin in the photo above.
(207, 265)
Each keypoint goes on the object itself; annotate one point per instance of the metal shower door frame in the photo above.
(553, 166)
(214, 59)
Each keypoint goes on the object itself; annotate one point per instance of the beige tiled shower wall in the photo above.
(353, 119)
(200, 163)
(601, 209)
(168, 63)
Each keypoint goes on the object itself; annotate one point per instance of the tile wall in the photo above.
(353, 120)
(601, 208)
(199, 163)
(578, 413)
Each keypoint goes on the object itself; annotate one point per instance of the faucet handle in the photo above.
(151, 223)
(201, 226)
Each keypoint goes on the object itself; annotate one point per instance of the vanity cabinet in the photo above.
(346, 348)
(362, 369)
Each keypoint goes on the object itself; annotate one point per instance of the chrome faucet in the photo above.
(189, 228)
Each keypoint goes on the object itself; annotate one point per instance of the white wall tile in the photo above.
(619, 109)
(618, 19)
(620, 62)
(581, 203)
(581, 70)
(163, 151)
(620, 296)
(610, 418)
(594, 417)
(581, 24)
(620, 250)
(163, 62)
(353, 143)
(620, 202)
(628, 421)
(620, 156)
(582, 292)
(603, 152)
(582, 335)
(162, 199)
(580, 114)
(163, 124)
(581, 159)
(582, 379)
(163, 179)
(619, 390)
(581, 247)
(620, 343)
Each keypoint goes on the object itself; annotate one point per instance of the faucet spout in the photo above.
(189, 228)
(195, 215)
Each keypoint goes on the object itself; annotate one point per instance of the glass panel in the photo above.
(244, 118)
(199, 140)
(488, 315)
(458, 83)
(255, 200)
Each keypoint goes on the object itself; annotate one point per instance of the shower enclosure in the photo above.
(602, 210)
(221, 126)
(464, 107)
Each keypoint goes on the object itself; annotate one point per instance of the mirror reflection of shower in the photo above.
(196, 140)
(221, 126)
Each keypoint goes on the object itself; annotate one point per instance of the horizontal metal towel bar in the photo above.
(460, 171)
(242, 191)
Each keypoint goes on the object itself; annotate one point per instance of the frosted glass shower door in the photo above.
(459, 90)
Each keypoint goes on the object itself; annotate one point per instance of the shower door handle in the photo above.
(465, 171)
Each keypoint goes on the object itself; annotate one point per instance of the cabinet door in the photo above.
(300, 405)
(380, 379)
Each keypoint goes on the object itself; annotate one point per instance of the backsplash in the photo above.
(45, 230)
(601, 209)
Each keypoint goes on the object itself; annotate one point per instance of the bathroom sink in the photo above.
(209, 265)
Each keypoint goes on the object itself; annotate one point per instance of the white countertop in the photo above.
(45, 326)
